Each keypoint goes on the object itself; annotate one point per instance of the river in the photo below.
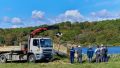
(111, 50)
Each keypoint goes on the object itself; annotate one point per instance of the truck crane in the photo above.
(36, 48)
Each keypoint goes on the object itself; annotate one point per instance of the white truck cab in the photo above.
(40, 48)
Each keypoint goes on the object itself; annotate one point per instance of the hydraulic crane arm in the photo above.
(34, 32)
(41, 29)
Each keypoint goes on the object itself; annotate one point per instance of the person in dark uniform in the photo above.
(105, 55)
(90, 53)
(72, 52)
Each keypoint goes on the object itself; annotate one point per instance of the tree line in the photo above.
(85, 33)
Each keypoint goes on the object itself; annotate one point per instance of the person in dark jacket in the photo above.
(105, 54)
(79, 54)
(90, 53)
(72, 52)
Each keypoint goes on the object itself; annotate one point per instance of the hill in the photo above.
(86, 33)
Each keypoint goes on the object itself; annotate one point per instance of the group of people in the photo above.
(100, 54)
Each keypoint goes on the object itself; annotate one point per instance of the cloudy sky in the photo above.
(23, 13)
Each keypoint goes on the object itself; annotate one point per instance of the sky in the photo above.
(27, 13)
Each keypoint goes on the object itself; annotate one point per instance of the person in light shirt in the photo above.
(97, 53)
(79, 54)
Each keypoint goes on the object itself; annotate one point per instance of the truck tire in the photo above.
(31, 58)
(50, 59)
(3, 58)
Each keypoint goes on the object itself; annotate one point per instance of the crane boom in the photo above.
(33, 33)
(41, 29)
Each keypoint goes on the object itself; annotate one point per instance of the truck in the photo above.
(37, 48)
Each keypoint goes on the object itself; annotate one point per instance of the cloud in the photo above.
(14, 26)
(103, 15)
(118, 15)
(16, 20)
(6, 19)
(73, 13)
(41, 22)
(69, 15)
(38, 18)
(76, 16)
(13, 20)
(37, 14)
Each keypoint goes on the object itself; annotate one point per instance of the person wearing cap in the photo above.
(79, 54)
(102, 53)
(97, 53)
(90, 53)
(72, 52)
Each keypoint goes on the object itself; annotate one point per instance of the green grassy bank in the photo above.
(114, 62)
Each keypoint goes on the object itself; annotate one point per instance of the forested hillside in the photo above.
(86, 33)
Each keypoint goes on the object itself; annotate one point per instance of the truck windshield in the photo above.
(46, 43)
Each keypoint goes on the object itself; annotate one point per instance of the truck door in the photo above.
(35, 46)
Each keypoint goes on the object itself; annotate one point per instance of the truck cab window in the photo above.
(36, 42)
(46, 43)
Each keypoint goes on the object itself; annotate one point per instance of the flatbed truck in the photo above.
(35, 49)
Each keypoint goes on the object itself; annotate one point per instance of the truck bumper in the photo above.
(43, 56)
(39, 56)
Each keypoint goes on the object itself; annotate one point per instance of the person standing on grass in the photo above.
(105, 54)
(79, 54)
(102, 53)
(90, 53)
(97, 53)
(72, 52)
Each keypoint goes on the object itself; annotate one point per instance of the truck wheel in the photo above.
(31, 58)
(50, 59)
(3, 59)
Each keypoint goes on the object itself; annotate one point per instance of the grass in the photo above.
(114, 62)
(39, 65)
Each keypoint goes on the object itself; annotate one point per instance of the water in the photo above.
(111, 50)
